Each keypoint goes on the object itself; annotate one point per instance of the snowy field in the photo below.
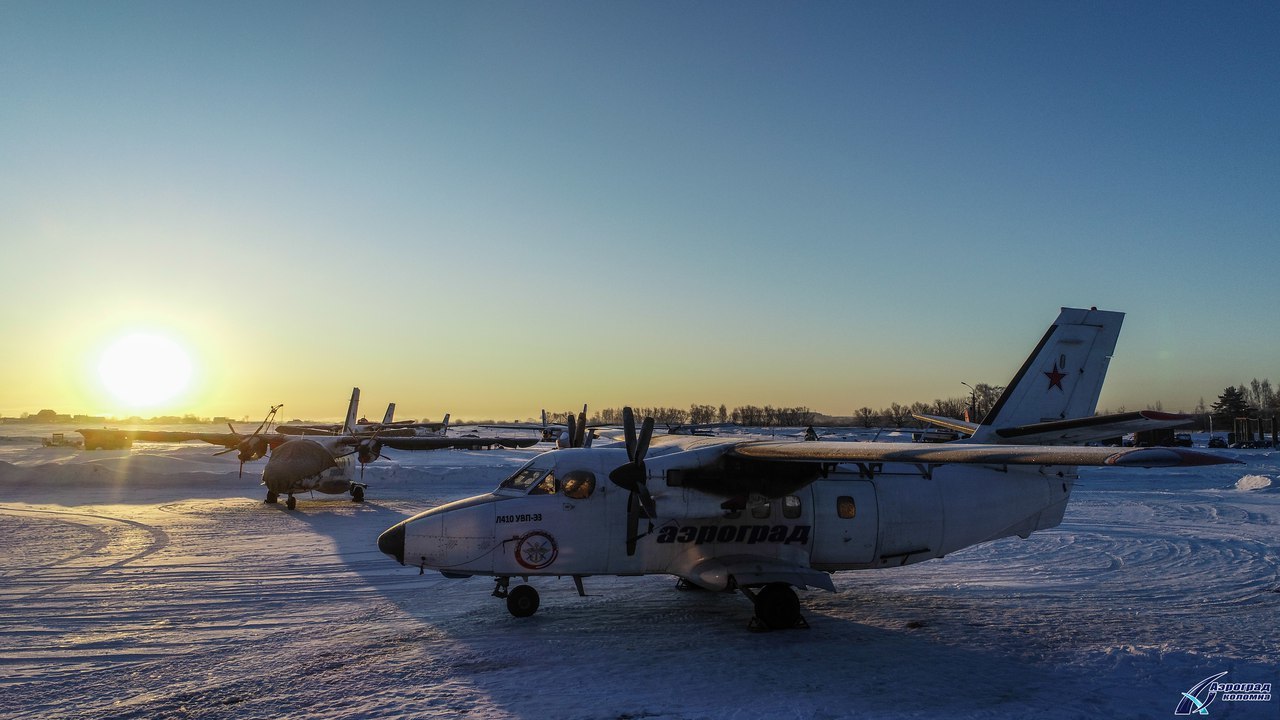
(154, 583)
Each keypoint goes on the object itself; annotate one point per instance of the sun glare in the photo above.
(144, 370)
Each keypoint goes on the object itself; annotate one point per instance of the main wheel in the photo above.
(778, 607)
(357, 493)
(272, 497)
(291, 503)
(522, 601)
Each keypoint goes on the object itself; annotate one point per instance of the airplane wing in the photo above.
(921, 454)
(462, 442)
(308, 429)
(1091, 429)
(93, 435)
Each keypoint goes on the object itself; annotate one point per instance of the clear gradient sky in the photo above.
(489, 208)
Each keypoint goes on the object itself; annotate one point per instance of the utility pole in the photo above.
(973, 402)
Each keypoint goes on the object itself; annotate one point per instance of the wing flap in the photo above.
(722, 573)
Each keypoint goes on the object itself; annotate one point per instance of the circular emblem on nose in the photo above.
(536, 550)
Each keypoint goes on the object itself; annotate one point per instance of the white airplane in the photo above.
(764, 516)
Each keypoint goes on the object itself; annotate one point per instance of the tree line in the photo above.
(750, 415)
(1258, 398)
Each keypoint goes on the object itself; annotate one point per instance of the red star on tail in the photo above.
(1055, 378)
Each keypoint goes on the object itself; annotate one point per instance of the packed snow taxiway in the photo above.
(154, 583)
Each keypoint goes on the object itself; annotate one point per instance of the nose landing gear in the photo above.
(522, 600)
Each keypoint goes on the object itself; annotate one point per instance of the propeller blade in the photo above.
(646, 500)
(572, 432)
(633, 524)
(241, 469)
(629, 430)
(580, 436)
(646, 434)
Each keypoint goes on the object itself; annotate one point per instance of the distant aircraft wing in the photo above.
(921, 454)
(1091, 429)
(462, 442)
(227, 440)
(960, 426)
(308, 429)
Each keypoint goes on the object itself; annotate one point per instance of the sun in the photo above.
(144, 370)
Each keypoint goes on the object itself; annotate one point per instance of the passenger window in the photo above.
(761, 511)
(846, 507)
(546, 487)
(578, 484)
(791, 507)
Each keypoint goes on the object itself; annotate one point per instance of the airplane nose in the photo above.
(391, 542)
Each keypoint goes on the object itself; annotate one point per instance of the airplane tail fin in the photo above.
(391, 413)
(349, 425)
(1062, 378)
(444, 427)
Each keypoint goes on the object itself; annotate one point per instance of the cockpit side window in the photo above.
(523, 479)
(578, 484)
(791, 507)
(547, 486)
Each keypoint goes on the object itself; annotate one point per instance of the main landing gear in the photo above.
(777, 608)
(522, 600)
(273, 497)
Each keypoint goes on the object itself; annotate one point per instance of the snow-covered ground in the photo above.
(154, 583)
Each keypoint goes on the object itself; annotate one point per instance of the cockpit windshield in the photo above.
(523, 479)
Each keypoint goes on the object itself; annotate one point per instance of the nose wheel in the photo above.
(522, 600)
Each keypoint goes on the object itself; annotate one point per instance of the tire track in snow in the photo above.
(67, 573)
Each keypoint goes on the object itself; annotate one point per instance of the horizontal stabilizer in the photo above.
(1090, 429)
(984, 454)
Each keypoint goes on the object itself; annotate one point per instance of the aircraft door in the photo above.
(577, 522)
(845, 522)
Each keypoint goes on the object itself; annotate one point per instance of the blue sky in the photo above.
(486, 208)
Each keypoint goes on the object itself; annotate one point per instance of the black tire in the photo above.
(778, 607)
(272, 498)
(522, 601)
(291, 503)
(357, 493)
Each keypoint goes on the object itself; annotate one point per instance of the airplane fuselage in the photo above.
(549, 522)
